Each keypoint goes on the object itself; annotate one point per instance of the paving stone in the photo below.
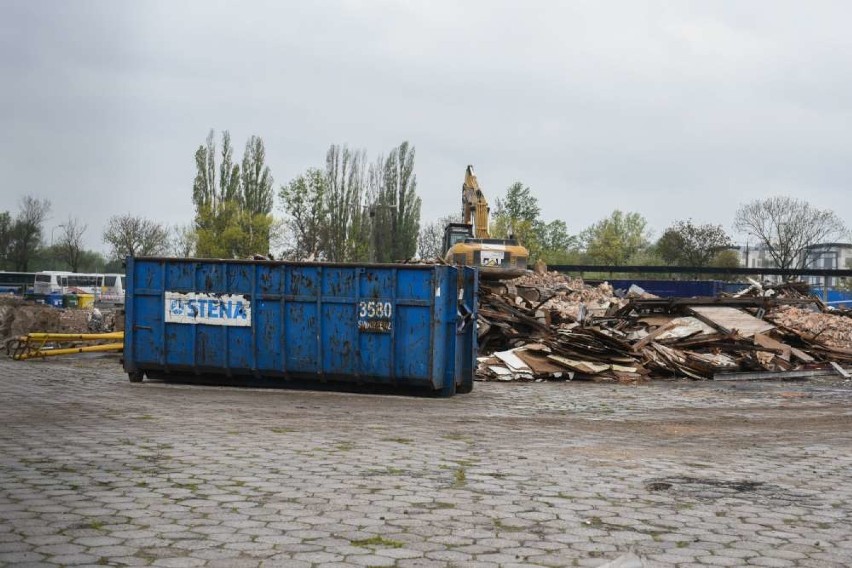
(178, 562)
(73, 559)
(364, 480)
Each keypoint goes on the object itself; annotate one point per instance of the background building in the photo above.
(823, 256)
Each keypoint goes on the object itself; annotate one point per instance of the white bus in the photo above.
(104, 287)
(76, 283)
(113, 289)
(48, 282)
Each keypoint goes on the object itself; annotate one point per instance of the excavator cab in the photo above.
(456, 233)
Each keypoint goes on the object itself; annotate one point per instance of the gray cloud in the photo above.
(674, 110)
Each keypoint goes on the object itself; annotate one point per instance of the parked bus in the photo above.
(113, 289)
(76, 283)
(16, 282)
(104, 287)
(48, 282)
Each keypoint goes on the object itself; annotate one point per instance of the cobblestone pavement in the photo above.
(95, 470)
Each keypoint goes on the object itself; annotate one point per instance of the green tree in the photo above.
(358, 242)
(204, 192)
(5, 239)
(351, 211)
(224, 234)
(50, 258)
(256, 194)
(688, 244)
(344, 171)
(229, 172)
(517, 215)
(394, 205)
(557, 246)
(230, 200)
(93, 261)
(303, 201)
(612, 241)
(786, 227)
(26, 232)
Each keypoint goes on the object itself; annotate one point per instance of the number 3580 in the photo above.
(374, 309)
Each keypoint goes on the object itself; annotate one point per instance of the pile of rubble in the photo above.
(829, 330)
(549, 326)
(19, 317)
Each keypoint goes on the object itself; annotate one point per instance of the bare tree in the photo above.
(430, 240)
(70, 245)
(786, 227)
(135, 236)
(183, 241)
(26, 231)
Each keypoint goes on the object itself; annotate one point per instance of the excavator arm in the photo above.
(474, 205)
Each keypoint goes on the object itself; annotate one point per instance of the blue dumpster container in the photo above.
(671, 288)
(54, 300)
(406, 325)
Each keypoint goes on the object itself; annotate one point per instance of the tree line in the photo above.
(352, 209)
(349, 208)
(24, 247)
(783, 227)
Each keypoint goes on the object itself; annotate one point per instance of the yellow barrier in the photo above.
(75, 336)
(35, 345)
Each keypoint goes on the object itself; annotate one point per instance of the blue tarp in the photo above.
(836, 298)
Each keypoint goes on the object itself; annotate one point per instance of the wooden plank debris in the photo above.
(551, 327)
(729, 320)
(840, 370)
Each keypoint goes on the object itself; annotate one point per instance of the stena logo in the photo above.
(208, 309)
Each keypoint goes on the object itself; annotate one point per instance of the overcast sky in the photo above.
(672, 109)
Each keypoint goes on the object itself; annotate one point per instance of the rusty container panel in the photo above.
(407, 325)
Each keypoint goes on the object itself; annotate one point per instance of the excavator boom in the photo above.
(474, 205)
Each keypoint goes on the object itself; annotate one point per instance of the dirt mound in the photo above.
(19, 317)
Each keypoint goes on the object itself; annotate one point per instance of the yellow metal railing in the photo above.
(35, 345)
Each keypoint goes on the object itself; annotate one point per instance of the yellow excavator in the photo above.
(470, 244)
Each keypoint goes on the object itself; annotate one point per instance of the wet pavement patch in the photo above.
(703, 486)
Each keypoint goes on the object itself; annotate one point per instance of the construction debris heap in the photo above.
(550, 326)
